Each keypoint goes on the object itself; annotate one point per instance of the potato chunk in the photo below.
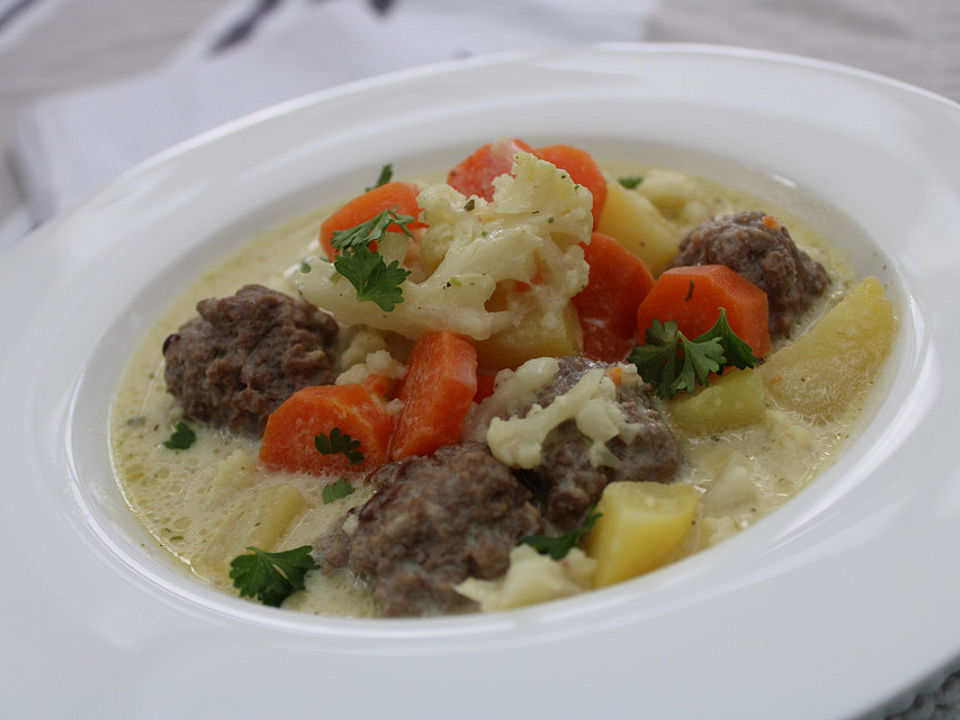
(636, 223)
(734, 399)
(827, 369)
(540, 335)
(261, 518)
(641, 523)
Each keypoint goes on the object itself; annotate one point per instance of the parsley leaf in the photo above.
(558, 547)
(340, 489)
(339, 442)
(373, 279)
(631, 181)
(366, 269)
(659, 361)
(271, 577)
(371, 230)
(386, 173)
(182, 437)
(737, 352)
(700, 358)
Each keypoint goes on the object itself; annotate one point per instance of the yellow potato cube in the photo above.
(261, 519)
(823, 372)
(541, 335)
(671, 191)
(636, 223)
(734, 399)
(641, 523)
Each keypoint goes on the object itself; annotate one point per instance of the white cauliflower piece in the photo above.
(532, 578)
(529, 233)
(591, 403)
(379, 362)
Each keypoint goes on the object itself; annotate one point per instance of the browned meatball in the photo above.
(245, 354)
(566, 484)
(435, 522)
(759, 247)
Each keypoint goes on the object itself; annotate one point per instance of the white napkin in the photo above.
(69, 145)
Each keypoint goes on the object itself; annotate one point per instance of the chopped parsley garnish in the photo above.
(335, 491)
(386, 173)
(304, 267)
(366, 269)
(182, 437)
(371, 230)
(339, 442)
(671, 362)
(271, 577)
(558, 547)
(630, 181)
(373, 279)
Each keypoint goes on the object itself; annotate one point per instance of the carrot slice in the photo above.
(693, 296)
(440, 384)
(289, 439)
(583, 170)
(398, 196)
(475, 174)
(380, 385)
(619, 281)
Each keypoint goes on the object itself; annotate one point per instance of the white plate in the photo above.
(836, 605)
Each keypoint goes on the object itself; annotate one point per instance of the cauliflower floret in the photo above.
(530, 233)
(532, 578)
(380, 362)
(591, 403)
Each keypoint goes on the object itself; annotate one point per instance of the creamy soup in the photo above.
(207, 503)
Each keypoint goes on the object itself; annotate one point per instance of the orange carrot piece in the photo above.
(288, 441)
(475, 174)
(583, 170)
(693, 296)
(398, 196)
(380, 385)
(440, 384)
(618, 283)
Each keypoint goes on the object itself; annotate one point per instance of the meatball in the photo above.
(435, 522)
(759, 247)
(566, 483)
(245, 354)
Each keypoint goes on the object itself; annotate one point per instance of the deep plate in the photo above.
(837, 604)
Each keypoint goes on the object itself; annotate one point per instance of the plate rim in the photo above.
(400, 77)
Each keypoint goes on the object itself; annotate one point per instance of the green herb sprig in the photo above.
(339, 442)
(386, 173)
(182, 437)
(271, 577)
(335, 491)
(671, 362)
(558, 547)
(371, 230)
(364, 267)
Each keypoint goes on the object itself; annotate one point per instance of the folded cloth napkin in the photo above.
(254, 54)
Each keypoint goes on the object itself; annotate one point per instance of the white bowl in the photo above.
(839, 604)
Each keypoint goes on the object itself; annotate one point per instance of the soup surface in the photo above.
(210, 501)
